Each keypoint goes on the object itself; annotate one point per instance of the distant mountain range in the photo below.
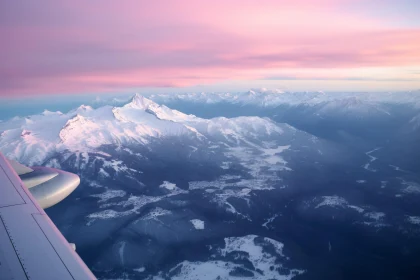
(272, 98)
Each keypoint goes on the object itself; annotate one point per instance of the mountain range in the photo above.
(232, 185)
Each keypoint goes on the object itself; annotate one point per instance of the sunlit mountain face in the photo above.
(263, 184)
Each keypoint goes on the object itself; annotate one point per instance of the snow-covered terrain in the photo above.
(415, 220)
(251, 144)
(198, 224)
(336, 202)
(262, 185)
(262, 253)
(34, 138)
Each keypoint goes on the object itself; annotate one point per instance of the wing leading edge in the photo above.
(31, 246)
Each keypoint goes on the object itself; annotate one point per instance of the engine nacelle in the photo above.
(49, 186)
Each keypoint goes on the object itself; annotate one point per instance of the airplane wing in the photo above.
(31, 246)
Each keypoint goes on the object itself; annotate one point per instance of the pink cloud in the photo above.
(79, 46)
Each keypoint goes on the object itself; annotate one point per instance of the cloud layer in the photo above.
(80, 46)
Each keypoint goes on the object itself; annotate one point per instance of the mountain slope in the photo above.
(33, 139)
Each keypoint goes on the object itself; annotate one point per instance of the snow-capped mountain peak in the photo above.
(140, 102)
(162, 112)
(86, 129)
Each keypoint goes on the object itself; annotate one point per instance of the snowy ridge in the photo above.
(133, 203)
(155, 213)
(415, 123)
(354, 106)
(271, 98)
(410, 187)
(337, 202)
(366, 215)
(108, 194)
(33, 139)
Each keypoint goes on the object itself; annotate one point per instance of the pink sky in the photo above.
(103, 45)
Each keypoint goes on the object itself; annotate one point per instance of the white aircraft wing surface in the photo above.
(31, 247)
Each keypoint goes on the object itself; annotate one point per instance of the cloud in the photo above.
(79, 46)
